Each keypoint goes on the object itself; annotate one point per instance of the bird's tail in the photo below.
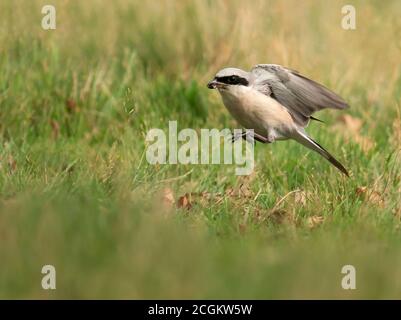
(308, 142)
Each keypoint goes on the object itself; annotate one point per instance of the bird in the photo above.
(277, 103)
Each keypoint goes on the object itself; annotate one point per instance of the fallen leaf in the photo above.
(229, 192)
(372, 196)
(245, 191)
(300, 198)
(168, 198)
(185, 201)
(351, 123)
(397, 212)
(280, 216)
(314, 221)
(237, 196)
(350, 128)
(361, 190)
(365, 143)
(242, 228)
(12, 164)
(55, 128)
(71, 106)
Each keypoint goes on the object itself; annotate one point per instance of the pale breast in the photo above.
(254, 110)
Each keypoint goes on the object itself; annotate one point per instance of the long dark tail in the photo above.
(308, 142)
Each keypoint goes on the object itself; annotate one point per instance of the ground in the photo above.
(76, 191)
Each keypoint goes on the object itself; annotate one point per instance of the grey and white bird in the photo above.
(277, 103)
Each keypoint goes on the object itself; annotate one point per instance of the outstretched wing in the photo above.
(300, 95)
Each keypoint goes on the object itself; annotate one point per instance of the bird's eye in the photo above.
(233, 79)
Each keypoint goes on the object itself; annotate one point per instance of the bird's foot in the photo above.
(236, 136)
(251, 137)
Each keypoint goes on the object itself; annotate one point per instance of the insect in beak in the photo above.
(212, 84)
(215, 84)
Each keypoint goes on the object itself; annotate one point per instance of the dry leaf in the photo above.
(185, 201)
(365, 143)
(245, 191)
(71, 106)
(236, 195)
(12, 164)
(350, 128)
(230, 192)
(397, 213)
(55, 128)
(300, 198)
(168, 198)
(242, 228)
(314, 221)
(361, 190)
(280, 216)
(372, 196)
(351, 123)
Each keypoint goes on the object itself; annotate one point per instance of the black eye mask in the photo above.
(233, 80)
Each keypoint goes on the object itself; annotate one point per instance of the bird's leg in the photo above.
(252, 135)
(261, 138)
(236, 136)
(246, 135)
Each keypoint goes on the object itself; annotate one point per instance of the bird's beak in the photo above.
(212, 84)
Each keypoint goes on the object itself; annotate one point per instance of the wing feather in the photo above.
(299, 94)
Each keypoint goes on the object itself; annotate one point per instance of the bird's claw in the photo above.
(236, 136)
(250, 137)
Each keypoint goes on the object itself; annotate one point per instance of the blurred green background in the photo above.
(76, 191)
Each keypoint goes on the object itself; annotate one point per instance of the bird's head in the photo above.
(227, 78)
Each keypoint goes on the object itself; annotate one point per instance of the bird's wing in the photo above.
(300, 95)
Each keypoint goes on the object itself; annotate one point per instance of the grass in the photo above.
(76, 192)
